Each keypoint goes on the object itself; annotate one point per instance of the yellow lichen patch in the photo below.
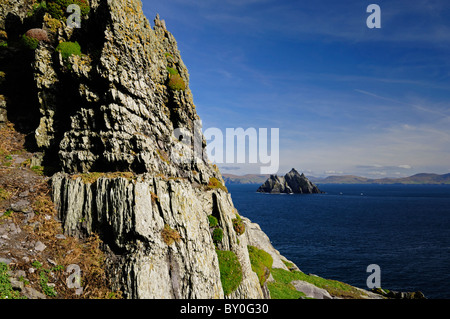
(52, 24)
(3, 35)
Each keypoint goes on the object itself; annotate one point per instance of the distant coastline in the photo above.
(421, 178)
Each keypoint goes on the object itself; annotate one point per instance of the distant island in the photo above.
(422, 178)
(291, 183)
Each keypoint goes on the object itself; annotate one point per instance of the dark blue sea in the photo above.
(405, 229)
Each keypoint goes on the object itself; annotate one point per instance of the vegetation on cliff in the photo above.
(68, 49)
(261, 263)
(230, 271)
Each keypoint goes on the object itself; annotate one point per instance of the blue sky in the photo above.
(347, 99)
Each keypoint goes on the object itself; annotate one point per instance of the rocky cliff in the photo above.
(291, 183)
(108, 112)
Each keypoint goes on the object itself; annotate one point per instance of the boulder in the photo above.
(310, 290)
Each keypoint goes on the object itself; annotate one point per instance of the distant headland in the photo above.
(422, 178)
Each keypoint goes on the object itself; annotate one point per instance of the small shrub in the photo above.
(52, 24)
(68, 48)
(56, 11)
(238, 225)
(29, 43)
(176, 83)
(213, 222)
(3, 35)
(230, 271)
(170, 235)
(214, 183)
(217, 235)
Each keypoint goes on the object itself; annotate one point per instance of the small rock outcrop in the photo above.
(292, 183)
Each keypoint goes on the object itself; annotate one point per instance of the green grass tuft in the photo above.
(217, 235)
(68, 49)
(261, 263)
(213, 222)
(230, 271)
(29, 42)
(172, 71)
(279, 290)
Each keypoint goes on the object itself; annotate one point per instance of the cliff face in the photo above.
(291, 183)
(116, 126)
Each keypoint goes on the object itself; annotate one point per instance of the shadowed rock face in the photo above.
(291, 183)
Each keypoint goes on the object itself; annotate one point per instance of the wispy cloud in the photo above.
(421, 108)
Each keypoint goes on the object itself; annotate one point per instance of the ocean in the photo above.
(404, 229)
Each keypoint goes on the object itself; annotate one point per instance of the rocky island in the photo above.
(291, 183)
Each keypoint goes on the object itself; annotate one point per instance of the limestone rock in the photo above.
(256, 237)
(311, 290)
(130, 215)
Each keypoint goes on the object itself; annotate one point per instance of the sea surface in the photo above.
(404, 229)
